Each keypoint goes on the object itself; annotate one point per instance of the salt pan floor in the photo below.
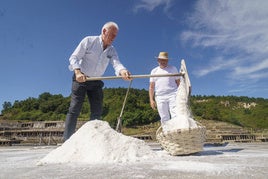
(238, 160)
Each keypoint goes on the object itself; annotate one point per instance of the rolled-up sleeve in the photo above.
(114, 59)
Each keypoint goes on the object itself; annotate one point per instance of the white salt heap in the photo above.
(97, 142)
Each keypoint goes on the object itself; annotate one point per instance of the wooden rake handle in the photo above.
(132, 76)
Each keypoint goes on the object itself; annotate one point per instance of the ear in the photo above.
(104, 30)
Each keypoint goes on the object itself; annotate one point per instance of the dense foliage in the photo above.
(243, 111)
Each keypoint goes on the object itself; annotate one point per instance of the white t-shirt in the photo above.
(165, 85)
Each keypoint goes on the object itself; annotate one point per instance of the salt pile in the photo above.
(97, 142)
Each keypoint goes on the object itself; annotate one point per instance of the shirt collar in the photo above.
(164, 67)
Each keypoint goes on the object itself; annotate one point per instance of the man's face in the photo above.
(109, 35)
(162, 62)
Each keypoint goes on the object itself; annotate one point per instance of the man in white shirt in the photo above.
(162, 90)
(90, 59)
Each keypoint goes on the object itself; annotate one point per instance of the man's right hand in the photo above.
(79, 76)
(153, 104)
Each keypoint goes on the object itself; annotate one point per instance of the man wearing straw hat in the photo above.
(90, 59)
(162, 90)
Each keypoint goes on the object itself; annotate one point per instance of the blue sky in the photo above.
(224, 43)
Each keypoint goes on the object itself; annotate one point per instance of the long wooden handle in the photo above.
(132, 76)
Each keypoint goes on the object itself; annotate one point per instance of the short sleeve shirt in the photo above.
(164, 85)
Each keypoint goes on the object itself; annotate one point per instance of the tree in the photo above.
(7, 105)
(137, 109)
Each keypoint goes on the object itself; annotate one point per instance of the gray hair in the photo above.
(107, 25)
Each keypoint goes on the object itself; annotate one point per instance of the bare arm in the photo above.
(151, 95)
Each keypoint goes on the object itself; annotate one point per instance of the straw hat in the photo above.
(162, 55)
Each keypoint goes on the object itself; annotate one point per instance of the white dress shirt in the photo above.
(92, 60)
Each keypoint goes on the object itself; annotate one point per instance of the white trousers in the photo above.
(166, 106)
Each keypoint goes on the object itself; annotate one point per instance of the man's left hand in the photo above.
(125, 75)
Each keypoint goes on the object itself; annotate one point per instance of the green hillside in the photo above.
(243, 111)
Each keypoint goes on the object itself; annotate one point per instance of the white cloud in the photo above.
(235, 28)
(150, 5)
(216, 64)
(262, 65)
